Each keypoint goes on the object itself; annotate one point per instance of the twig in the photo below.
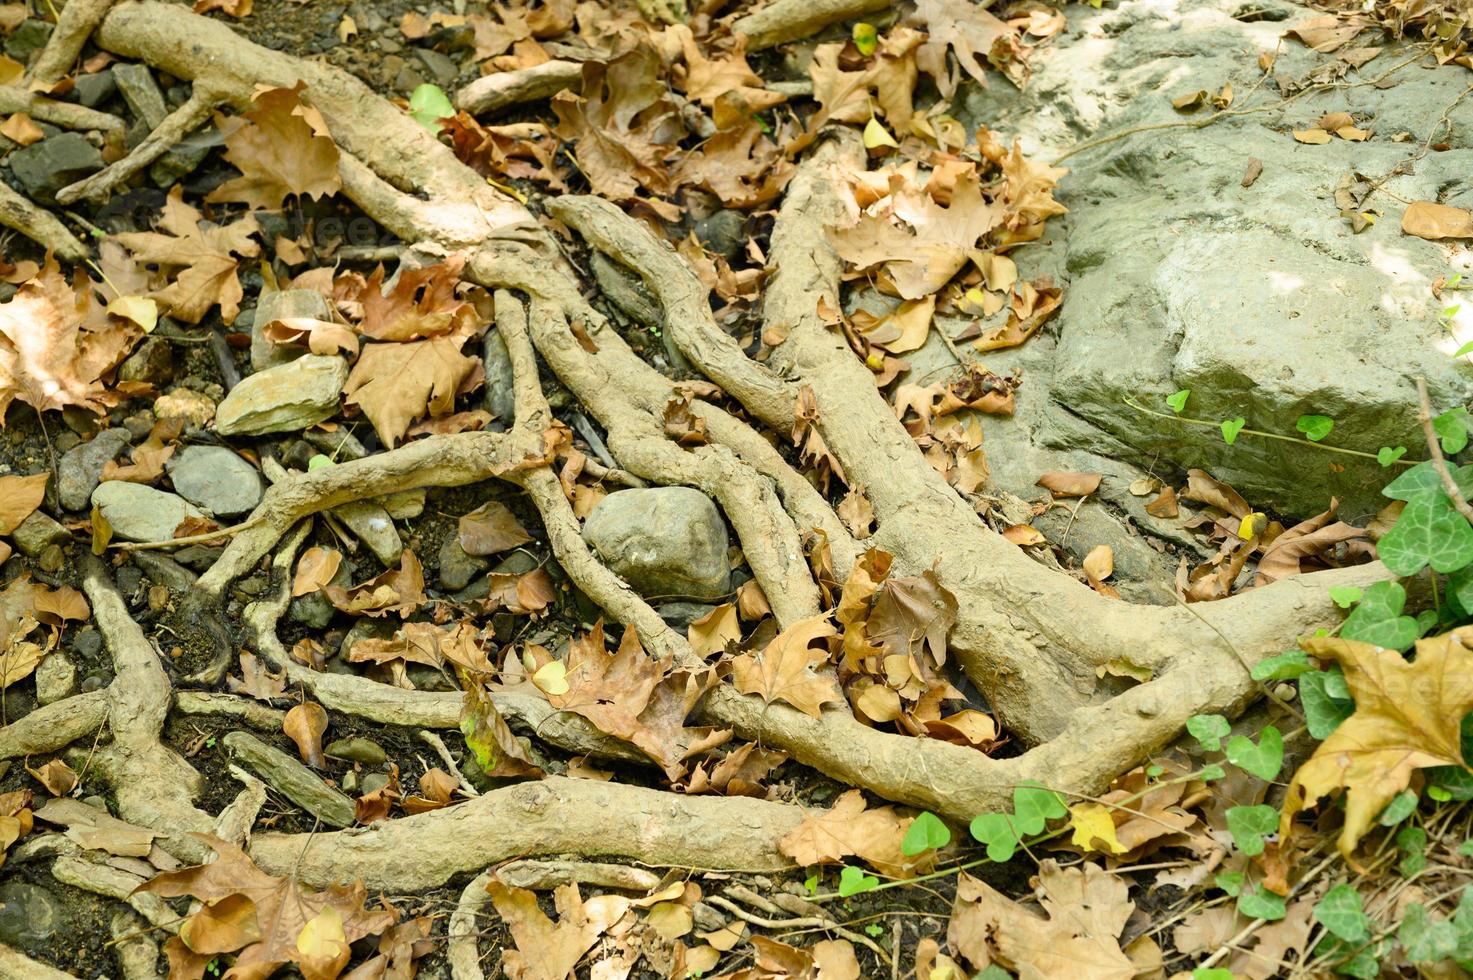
(811, 922)
(1252, 927)
(1434, 449)
(208, 536)
(443, 751)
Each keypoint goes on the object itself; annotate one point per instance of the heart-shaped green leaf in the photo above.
(1387, 455)
(428, 104)
(1378, 619)
(853, 880)
(1263, 759)
(1260, 903)
(1208, 730)
(1034, 806)
(1326, 701)
(1314, 427)
(1340, 911)
(1430, 531)
(1285, 667)
(925, 833)
(1249, 825)
(1178, 401)
(997, 832)
(1231, 428)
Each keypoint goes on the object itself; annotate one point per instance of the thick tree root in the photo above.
(15, 965)
(1035, 642)
(463, 948)
(788, 20)
(39, 225)
(501, 90)
(78, 19)
(556, 815)
(52, 727)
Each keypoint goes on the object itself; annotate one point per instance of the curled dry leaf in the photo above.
(1063, 484)
(711, 633)
(1024, 535)
(315, 569)
(1164, 505)
(96, 829)
(1099, 565)
(400, 590)
(491, 529)
(304, 725)
(56, 776)
(1433, 221)
(19, 497)
(547, 950)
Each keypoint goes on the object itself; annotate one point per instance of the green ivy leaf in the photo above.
(997, 832)
(1260, 903)
(1423, 477)
(1340, 912)
(1214, 771)
(1264, 759)
(853, 880)
(428, 104)
(926, 833)
(1285, 667)
(1452, 429)
(1352, 959)
(1178, 401)
(1208, 730)
(317, 462)
(1345, 596)
(1455, 781)
(1412, 842)
(1154, 770)
(1402, 805)
(1430, 531)
(1326, 701)
(993, 972)
(1386, 455)
(1034, 806)
(1249, 825)
(1378, 620)
(1231, 428)
(1314, 427)
(1423, 938)
(1460, 587)
(1230, 882)
(810, 884)
(866, 38)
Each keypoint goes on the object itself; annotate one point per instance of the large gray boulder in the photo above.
(1261, 299)
(666, 542)
(286, 398)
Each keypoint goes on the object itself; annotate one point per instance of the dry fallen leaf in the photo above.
(315, 568)
(710, 634)
(783, 670)
(19, 497)
(848, 829)
(304, 725)
(1062, 484)
(1432, 221)
(1407, 717)
(491, 529)
(282, 148)
(547, 950)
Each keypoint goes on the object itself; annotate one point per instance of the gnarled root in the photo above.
(551, 816)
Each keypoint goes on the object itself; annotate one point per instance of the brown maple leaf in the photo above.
(849, 829)
(283, 149)
(400, 590)
(1407, 717)
(421, 303)
(783, 670)
(609, 690)
(395, 384)
(270, 921)
(56, 346)
(201, 261)
(547, 950)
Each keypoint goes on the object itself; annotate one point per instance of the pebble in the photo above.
(456, 567)
(46, 167)
(287, 398)
(374, 527)
(87, 642)
(357, 749)
(215, 479)
(194, 408)
(152, 363)
(38, 533)
(79, 470)
(56, 678)
(140, 513)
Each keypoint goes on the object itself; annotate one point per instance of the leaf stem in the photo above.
(1188, 420)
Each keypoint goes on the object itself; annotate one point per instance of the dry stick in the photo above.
(494, 92)
(462, 949)
(1434, 450)
(39, 225)
(789, 20)
(811, 922)
(176, 125)
(443, 751)
(79, 18)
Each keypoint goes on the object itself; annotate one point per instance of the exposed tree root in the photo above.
(552, 816)
(1033, 641)
(54, 726)
(789, 20)
(463, 949)
(15, 965)
(73, 27)
(501, 90)
(38, 225)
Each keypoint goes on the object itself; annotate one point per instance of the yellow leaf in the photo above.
(552, 678)
(140, 309)
(876, 135)
(1094, 830)
(323, 944)
(712, 632)
(866, 38)
(1252, 525)
(1407, 717)
(1314, 136)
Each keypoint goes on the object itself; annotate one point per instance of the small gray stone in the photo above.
(88, 642)
(290, 778)
(93, 682)
(312, 610)
(56, 678)
(184, 157)
(142, 93)
(276, 306)
(679, 615)
(37, 533)
(500, 400)
(163, 570)
(94, 89)
(46, 167)
(152, 363)
(456, 567)
(357, 749)
(374, 527)
(140, 425)
(31, 36)
(29, 914)
(81, 467)
(337, 446)
(723, 232)
(140, 513)
(442, 67)
(215, 479)
(403, 504)
(374, 781)
(286, 398)
(663, 541)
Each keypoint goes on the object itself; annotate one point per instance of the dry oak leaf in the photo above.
(783, 670)
(395, 384)
(270, 921)
(848, 829)
(609, 690)
(1086, 908)
(1432, 221)
(202, 260)
(547, 950)
(1407, 717)
(19, 497)
(283, 149)
(52, 352)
